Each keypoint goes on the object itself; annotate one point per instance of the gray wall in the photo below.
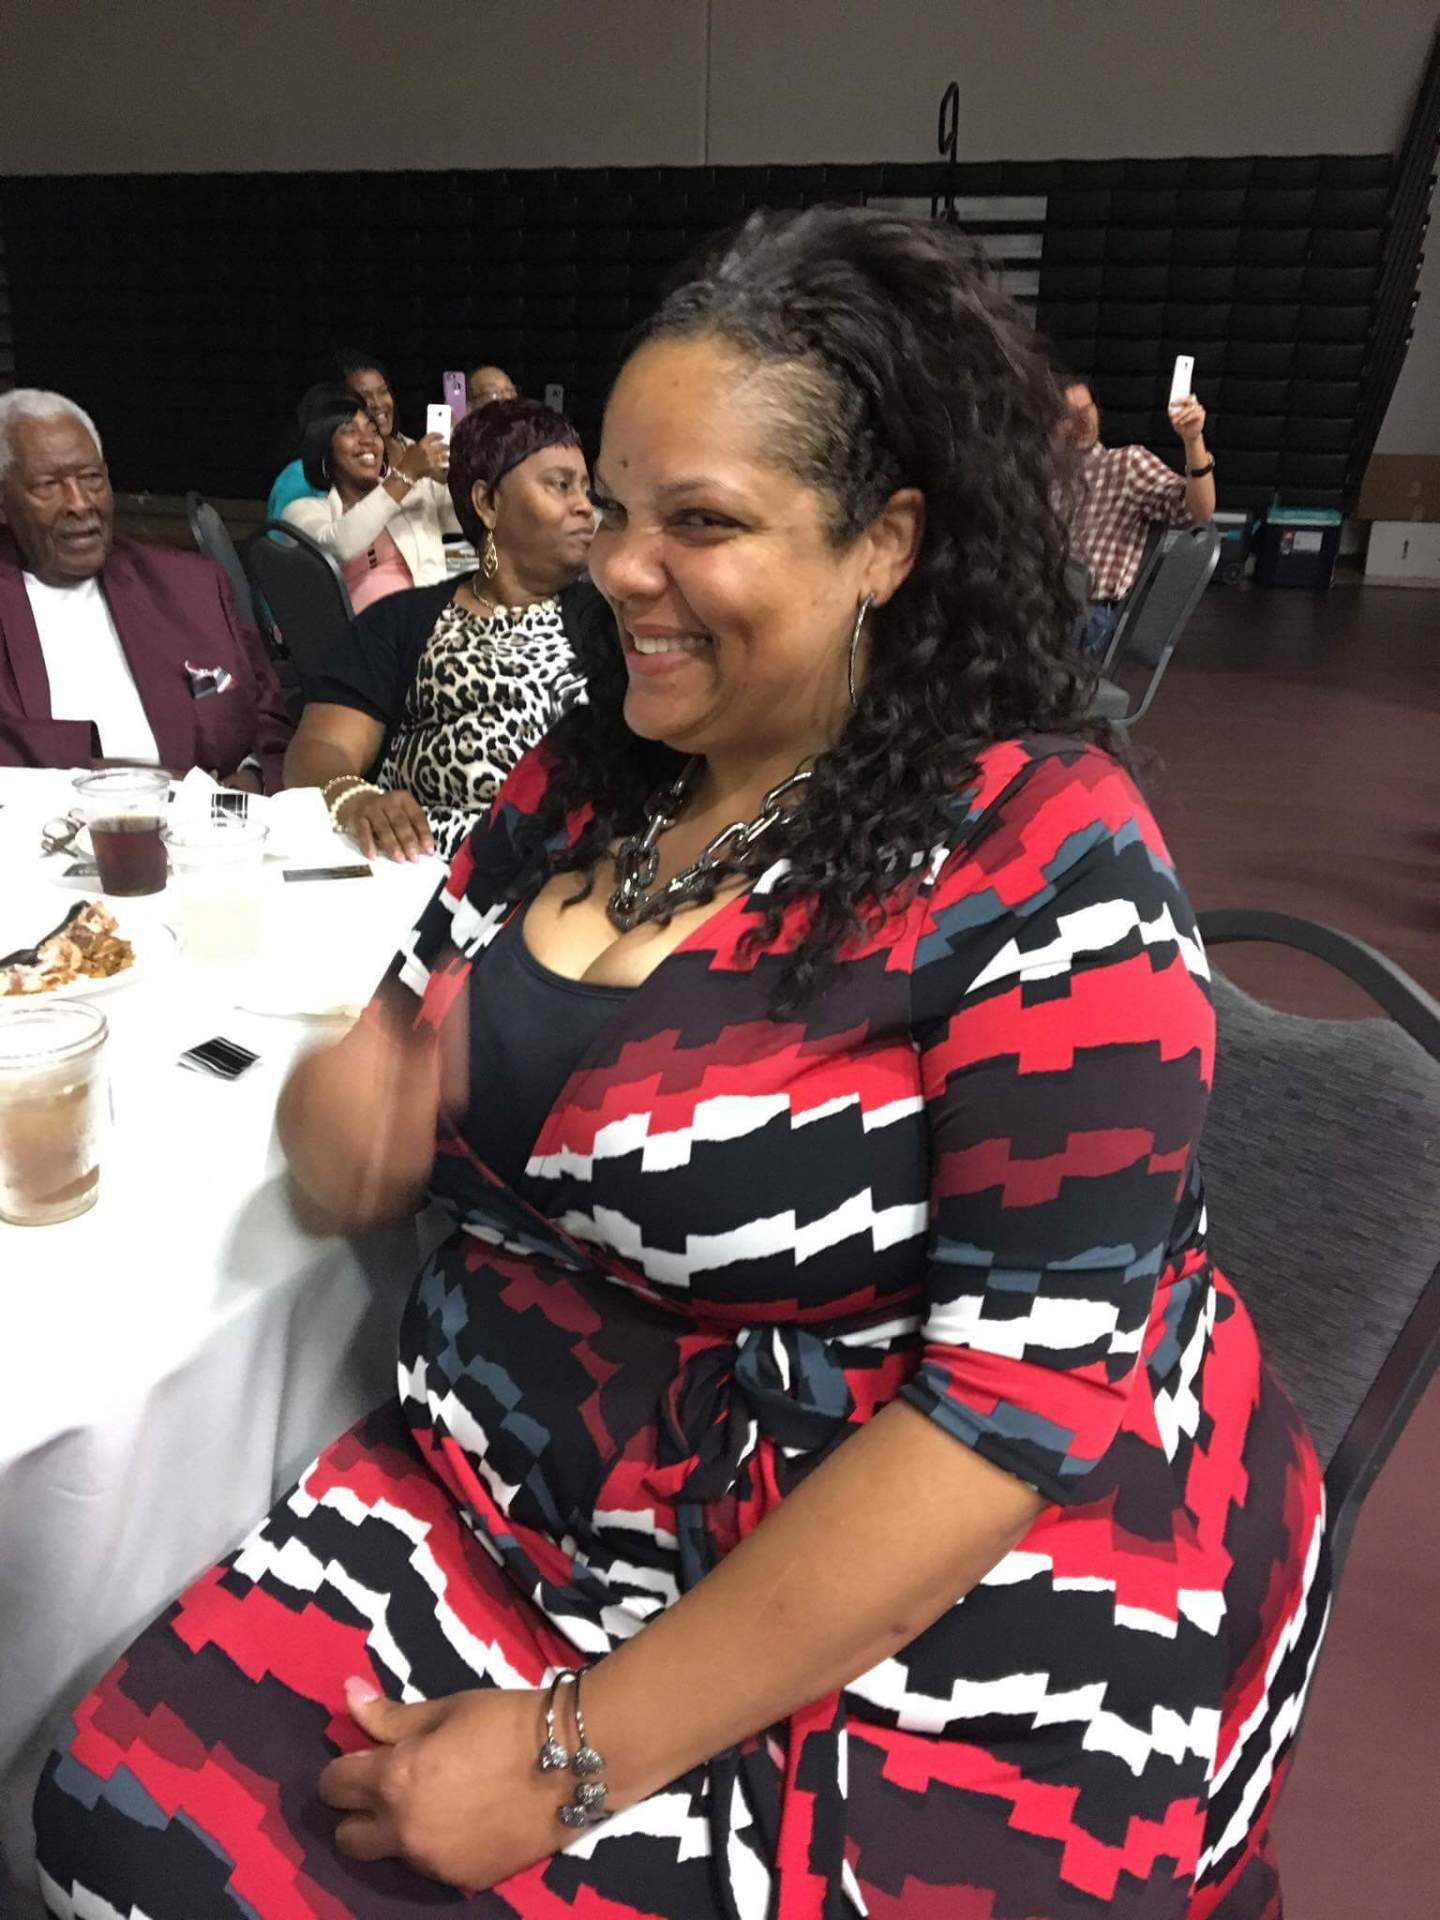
(154, 86)
(1413, 423)
(1045, 79)
(118, 86)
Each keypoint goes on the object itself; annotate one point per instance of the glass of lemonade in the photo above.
(218, 867)
(52, 1106)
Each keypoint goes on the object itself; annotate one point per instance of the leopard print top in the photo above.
(485, 690)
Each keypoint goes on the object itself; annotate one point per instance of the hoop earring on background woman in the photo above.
(489, 558)
(864, 608)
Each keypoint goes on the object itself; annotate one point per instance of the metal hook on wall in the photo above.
(949, 132)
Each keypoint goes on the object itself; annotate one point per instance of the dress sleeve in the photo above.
(273, 725)
(1156, 491)
(1066, 1040)
(373, 667)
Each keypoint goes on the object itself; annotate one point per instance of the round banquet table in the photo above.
(171, 1360)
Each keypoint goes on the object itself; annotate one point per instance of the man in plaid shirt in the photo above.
(1126, 488)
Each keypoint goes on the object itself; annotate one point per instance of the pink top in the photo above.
(381, 569)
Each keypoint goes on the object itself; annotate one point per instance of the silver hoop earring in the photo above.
(864, 608)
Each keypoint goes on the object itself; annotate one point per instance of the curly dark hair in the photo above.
(895, 361)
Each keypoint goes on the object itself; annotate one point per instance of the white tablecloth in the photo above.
(170, 1360)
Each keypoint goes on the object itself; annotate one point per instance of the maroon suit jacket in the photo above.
(169, 608)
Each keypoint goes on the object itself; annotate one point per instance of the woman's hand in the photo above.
(451, 1787)
(427, 459)
(392, 824)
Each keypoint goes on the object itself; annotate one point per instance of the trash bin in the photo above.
(1237, 532)
(1297, 547)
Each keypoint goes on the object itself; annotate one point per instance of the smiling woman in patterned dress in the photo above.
(826, 1358)
(435, 694)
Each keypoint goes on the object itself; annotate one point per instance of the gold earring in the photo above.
(489, 558)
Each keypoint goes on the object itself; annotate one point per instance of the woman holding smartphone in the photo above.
(383, 520)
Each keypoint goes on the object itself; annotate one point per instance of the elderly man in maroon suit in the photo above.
(110, 650)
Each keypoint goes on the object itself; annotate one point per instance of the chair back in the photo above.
(1165, 595)
(1321, 1158)
(212, 538)
(1155, 615)
(303, 587)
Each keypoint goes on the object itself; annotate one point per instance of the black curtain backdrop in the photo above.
(187, 312)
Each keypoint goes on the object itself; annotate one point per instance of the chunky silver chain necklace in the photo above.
(637, 860)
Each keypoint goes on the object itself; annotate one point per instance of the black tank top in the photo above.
(529, 1028)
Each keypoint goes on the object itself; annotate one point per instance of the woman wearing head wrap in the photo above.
(438, 692)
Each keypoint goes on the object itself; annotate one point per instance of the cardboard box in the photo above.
(1403, 553)
(1401, 486)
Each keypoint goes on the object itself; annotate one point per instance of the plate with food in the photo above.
(86, 954)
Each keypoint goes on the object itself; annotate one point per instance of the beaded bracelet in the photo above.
(350, 780)
(588, 1805)
(360, 786)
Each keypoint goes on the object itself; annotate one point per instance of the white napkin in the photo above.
(296, 822)
(301, 831)
(190, 798)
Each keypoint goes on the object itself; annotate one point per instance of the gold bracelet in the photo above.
(350, 779)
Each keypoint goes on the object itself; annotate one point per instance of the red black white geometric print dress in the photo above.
(966, 1175)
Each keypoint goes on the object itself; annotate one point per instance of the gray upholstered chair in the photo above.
(1321, 1158)
(212, 538)
(1155, 615)
(301, 583)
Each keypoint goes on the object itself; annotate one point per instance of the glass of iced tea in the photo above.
(124, 809)
(52, 1107)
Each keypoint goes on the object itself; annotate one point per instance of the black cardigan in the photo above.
(373, 667)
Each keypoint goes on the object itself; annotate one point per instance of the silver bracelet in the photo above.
(588, 1805)
(360, 786)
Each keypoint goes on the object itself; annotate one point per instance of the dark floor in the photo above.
(1297, 766)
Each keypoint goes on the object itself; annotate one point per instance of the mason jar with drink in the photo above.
(52, 1110)
(124, 810)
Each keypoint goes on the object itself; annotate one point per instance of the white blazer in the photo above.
(415, 524)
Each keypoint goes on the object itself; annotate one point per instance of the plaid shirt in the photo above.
(1126, 488)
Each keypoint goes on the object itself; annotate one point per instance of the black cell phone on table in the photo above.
(226, 1059)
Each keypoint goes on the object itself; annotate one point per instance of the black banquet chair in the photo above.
(212, 538)
(303, 588)
(1321, 1158)
(1156, 613)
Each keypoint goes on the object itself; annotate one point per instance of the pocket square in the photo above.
(207, 680)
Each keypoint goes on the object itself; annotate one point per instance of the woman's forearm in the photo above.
(889, 1532)
(357, 1122)
(352, 531)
